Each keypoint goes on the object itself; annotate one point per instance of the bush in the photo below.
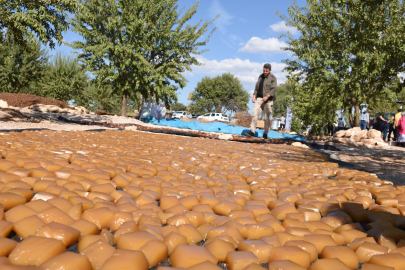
(296, 125)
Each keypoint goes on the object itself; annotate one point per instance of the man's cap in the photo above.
(267, 65)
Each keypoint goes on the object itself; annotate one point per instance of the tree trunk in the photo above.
(124, 103)
(356, 115)
(354, 119)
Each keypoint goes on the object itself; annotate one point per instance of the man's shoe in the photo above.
(249, 134)
(264, 135)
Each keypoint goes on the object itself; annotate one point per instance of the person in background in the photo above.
(330, 130)
(391, 117)
(371, 124)
(341, 124)
(396, 120)
(282, 123)
(401, 128)
(333, 126)
(384, 124)
(377, 123)
(364, 117)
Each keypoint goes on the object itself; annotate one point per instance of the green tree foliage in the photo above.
(139, 46)
(96, 97)
(220, 94)
(284, 95)
(386, 103)
(296, 125)
(21, 67)
(401, 96)
(99, 98)
(178, 107)
(348, 53)
(65, 79)
(45, 19)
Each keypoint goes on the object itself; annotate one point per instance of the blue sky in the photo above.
(246, 38)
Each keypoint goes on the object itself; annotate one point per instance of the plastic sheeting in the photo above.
(219, 127)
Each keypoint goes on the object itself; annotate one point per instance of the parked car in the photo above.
(181, 114)
(195, 116)
(214, 117)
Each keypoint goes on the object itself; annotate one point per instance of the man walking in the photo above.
(263, 97)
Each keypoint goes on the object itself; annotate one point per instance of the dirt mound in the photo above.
(25, 100)
(244, 119)
(103, 113)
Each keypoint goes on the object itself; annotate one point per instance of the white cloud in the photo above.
(245, 70)
(282, 27)
(258, 45)
(224, 19)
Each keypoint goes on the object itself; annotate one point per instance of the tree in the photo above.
(284, 95)
(220, 94)
(96, 97)
(65, 79)
(23, 19)
(400, 96)
(139, 46)
(390, 103)
(348, 53)
(296, 125)
(21, 67)
(99, 98)
(178, 107)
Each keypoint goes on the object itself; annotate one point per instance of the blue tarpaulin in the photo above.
(219, 127)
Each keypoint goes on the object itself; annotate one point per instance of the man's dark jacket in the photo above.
(269, 86)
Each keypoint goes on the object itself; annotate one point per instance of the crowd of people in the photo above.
(388, 123)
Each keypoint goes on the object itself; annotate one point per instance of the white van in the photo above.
(214, 117)
(181, 114)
